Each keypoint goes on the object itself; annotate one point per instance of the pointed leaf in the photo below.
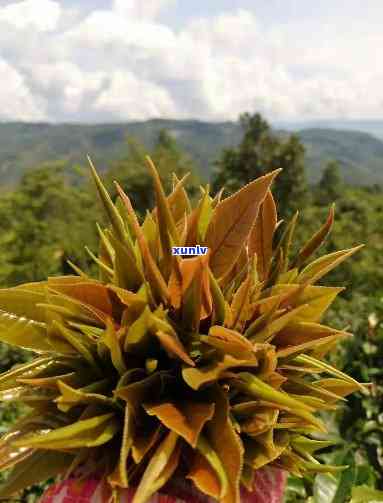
(84, 433)
(24, 333)
(185, 418)
(37, 468)
(316, 240)
(152, 272)
(112, 212)
(173, 346)
(230, 342)
(162, 457)
(227, 444)
(314, 271)
(232, 221)
(196, 377)
(204, 476)
(261, 236)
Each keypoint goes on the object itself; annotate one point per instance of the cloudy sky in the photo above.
(112, 60)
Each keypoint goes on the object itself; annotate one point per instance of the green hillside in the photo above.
(24, 145)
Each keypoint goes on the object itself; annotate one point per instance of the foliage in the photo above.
(42, 224)
(354, 484)
(261, 151)
(216, 359)
(24, 146)
(331, 185)
(362, 420)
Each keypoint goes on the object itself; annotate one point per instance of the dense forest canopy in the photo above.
(24, 146)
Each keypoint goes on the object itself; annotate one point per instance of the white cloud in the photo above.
(42, 15)
(16, 100)
(124, 62)
(140, 9)
(102, 28)
(127, 96)
(67, 81)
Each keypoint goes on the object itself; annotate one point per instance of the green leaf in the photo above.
(126, 272)
(365, 494)
(24, 333)
(84, 433)
(112, 342)
(255, 387)
(152, 272)
(37, 468)
(22, 301)
(314, 271)
(204, 447)
(112, 212)
(70, 397)
(151, 480)
(335, 489)
(77, 341)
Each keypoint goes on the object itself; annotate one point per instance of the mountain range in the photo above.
(26, 145)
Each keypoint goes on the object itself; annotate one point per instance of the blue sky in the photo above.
(110, 60)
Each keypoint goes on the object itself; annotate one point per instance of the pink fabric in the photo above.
(268, 488)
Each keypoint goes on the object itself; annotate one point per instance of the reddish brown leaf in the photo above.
(232, 221)
(185, 418)
(261, 236)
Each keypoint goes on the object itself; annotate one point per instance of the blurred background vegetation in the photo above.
(48, 213)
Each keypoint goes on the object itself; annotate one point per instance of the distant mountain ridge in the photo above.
(26, 145)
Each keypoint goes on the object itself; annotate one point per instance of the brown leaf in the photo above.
(172, 344)
(227, 444)
(241, 305)
(316, 240)
(232, 221)
(230, 342)
(185, 418)
(196, 377)
(178, 200)
(261, 236)
(90, 292)
(204, 476)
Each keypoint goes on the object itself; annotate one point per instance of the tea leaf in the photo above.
(261, 236)
(232, 221)
(185, 418)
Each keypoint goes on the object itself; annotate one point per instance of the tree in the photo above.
(331, 184)
(260, 152)
(41, 222)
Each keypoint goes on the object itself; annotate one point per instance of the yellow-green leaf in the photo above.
(37, 468)
(84, 433)
(151, 480)
(24, 333)
(230, 342)
(314, 271)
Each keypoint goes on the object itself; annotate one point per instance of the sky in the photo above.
(122, 60)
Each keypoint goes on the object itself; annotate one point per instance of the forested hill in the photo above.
(25, 145)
